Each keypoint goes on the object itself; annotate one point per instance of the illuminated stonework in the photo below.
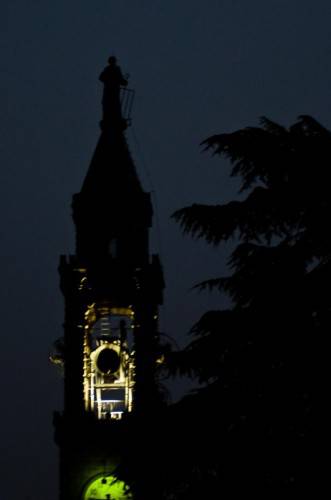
(108, 361)
(110, 284)
(106, 488)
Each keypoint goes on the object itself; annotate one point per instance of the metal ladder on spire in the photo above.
(127, 98)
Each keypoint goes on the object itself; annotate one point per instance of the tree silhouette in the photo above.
(260, 360)
(249, 427)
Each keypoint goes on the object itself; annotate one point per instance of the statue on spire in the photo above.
(113, 81)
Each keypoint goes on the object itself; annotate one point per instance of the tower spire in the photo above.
(112, 289)
(112, 200)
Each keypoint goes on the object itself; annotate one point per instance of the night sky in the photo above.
(198, 68)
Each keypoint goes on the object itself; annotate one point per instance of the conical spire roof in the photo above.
(111, 197)
(112, 168)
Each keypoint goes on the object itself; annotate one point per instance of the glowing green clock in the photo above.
(106, 488)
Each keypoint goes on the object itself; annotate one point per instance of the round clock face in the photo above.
(106, 488)
(108, 361)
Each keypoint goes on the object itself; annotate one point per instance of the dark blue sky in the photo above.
(198, 68)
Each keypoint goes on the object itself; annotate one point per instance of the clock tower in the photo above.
(112, 288)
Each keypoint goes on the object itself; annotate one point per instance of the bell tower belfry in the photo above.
(112, 288)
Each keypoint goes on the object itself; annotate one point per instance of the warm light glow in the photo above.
(108, 372)
(160, 360)
(90, 315)
(82, 284)
(122, 311)
(112, 401)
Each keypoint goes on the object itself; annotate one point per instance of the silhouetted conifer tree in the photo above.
(259, 360)
(249, 425)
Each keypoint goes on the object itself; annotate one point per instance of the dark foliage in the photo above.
(249, 428)
(261, 361)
